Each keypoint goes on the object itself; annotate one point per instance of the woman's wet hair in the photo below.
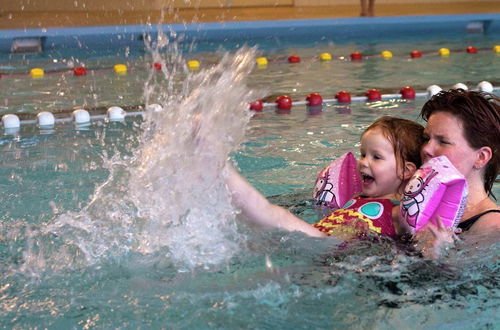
(480, 116)
(406, 137)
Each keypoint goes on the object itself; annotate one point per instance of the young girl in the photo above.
(390, 155)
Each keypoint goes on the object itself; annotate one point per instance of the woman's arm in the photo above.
(260, 211)
(435, 239)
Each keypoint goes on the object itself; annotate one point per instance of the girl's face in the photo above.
(445, 137)
(378, 166)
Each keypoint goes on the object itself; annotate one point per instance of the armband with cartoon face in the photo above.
(338, 182)
(437, 189)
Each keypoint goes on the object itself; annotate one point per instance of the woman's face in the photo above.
(445, 137)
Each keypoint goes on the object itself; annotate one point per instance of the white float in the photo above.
(460, 85)
(45, 119)
(10, 121)
(81, 117)
(154, 107)
(433, 90)
(485, 86)
(116, 114)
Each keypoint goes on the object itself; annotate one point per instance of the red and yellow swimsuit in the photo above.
(360, 216)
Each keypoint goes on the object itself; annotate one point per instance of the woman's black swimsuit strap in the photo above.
(465, 225)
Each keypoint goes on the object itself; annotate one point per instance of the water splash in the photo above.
(170, 197)
(177, 183)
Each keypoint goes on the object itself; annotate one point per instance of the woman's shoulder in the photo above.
(492, 214)
(487, 220)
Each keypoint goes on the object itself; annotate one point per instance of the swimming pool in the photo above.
(127, 224)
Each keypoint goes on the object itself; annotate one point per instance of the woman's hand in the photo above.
(435, 240)
(444, 238)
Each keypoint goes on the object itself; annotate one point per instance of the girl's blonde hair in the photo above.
(406, 137)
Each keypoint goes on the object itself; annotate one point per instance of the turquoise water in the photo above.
(276, 279)
(102, 88)
(88, 236)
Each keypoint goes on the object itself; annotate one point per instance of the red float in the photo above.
(407, 92)
(314, 99)
(356, 56)
(373, 95)
(294, 59)
(157, 65)
(256, 105)
(284, 102)
(471, 50)
(79, 71)
(416, 54)
(343, 97)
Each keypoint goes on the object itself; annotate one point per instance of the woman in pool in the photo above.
(465, 127)
(390, 155)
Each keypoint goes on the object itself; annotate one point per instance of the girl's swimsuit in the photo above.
(466, 224)
(359, 216)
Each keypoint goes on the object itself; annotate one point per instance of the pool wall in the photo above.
(335, 30)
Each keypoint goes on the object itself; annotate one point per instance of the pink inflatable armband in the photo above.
(338, 182)
(437, 189)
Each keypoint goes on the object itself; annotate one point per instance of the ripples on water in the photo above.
(147, 236)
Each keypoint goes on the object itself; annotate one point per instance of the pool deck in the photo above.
(32, 20)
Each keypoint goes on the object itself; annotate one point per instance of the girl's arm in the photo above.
(260, 211)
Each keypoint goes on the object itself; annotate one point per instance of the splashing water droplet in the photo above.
(178, 183)
(170, 198)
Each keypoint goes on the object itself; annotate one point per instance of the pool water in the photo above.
(128, 224)
(60, 91)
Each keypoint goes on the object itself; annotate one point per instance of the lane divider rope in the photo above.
(262, 62)
(82, 118)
